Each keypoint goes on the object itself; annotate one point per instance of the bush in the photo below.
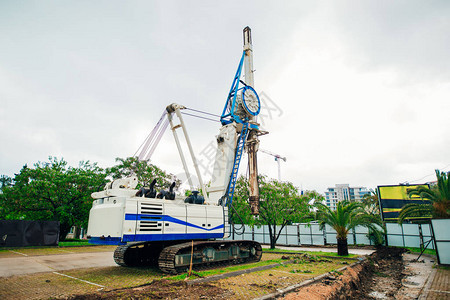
(377, 238)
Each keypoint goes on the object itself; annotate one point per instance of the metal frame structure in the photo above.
(175, 108)
(228, 115)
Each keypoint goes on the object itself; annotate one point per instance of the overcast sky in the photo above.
(357, 91)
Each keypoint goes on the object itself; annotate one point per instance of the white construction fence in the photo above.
(405, 235)
(442, 238)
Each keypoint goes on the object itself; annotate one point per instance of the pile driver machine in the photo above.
(172, 231)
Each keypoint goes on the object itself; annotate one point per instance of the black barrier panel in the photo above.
(19, 233)
(11, 233)
(51, 234)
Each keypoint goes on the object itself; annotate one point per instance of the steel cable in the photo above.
(149, 140)
(192, 115)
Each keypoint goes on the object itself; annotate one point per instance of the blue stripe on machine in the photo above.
(153, 237)
(105, 241)
(164, 218)
(170, 236)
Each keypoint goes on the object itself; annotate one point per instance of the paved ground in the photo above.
(438, 286)
(417, 275)
(21, 264)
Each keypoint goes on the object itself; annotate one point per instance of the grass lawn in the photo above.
(417, 250)
(75, 243)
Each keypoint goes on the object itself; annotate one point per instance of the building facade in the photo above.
(343, 192)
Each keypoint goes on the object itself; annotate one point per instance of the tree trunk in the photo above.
(273, 237)
(342, 247)
(63, 231)
(272, 242)
(270, 236)
(77, 232)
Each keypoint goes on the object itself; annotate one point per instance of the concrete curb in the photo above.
(231, 274)
(313, 280)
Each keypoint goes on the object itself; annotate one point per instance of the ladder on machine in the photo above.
(237, 160)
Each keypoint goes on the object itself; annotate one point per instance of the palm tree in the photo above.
(370, 202)
(438, 206)
(347, 216)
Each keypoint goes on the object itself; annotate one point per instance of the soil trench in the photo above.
(379, 277)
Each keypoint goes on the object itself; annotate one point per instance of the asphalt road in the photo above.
(21, 265)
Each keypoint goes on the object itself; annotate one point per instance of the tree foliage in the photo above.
(52, 191)
(370, 202)
(280, 204)
(346, 217)
(5, 181)
(438, 206)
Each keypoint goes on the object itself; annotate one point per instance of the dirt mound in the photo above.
(349, 284)
(393, 253)
(377, 277)
(161, 289)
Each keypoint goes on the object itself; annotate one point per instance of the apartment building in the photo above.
(343, 192)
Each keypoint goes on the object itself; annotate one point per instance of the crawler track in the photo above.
(119, 255)
(206, 254)
(138, 254)
(176, 258)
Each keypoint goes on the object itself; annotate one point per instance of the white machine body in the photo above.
(120, 219)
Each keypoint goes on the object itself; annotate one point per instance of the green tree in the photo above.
(5, 181)
(52, 191)
(346, 217)
(438, 206)
(144, 171)
(280, 204)
(6, 213)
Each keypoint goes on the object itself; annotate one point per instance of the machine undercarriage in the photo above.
(175, 258)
